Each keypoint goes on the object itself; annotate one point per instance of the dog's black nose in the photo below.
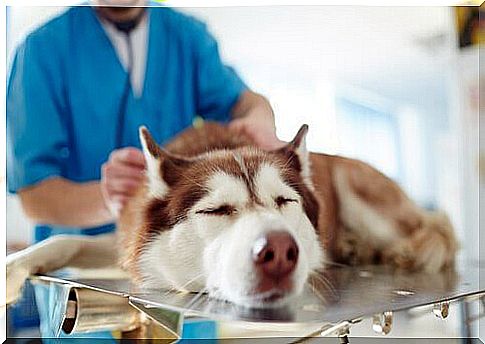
(275, 254)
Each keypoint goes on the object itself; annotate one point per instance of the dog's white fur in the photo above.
(225, 243)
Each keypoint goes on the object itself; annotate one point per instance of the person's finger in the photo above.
(117, 203)
(125, 186)
(124, 193)
(122, 170)
(128, 155)
(120, 198)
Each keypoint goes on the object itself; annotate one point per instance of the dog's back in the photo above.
(366, 218)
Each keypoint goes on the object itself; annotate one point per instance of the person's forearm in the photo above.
(250, 102)
(59, 201)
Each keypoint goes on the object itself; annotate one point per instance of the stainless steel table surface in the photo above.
(338, 294)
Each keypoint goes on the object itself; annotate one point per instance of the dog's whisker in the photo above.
(181, 288)
(325, 283)
(332, 263)
(190, 281)
(190, 303)
(317, 293)
(169, 291)
(322, 279)
(197, 298)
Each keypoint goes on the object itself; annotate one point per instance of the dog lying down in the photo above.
(249, 226)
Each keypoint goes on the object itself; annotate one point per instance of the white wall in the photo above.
(396, 58)
(23, 19)
(466, 124)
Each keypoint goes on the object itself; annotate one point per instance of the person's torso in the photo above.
(94, 83)
(94, 80)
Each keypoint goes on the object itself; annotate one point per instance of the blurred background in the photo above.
(397, 87)
(393, 86)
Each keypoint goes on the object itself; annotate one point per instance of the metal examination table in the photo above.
(339, 299)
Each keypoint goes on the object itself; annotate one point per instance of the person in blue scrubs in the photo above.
(75, 100)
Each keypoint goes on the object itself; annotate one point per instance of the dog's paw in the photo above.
(352, 249)
(430, 248)
(401, 255)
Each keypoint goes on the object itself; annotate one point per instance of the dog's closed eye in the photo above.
(281, 201)
(223, 210)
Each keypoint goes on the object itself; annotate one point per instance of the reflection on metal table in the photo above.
(332, 302)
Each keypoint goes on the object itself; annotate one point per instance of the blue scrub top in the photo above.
(65, 88)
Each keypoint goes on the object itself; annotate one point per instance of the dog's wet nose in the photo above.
(276, 254)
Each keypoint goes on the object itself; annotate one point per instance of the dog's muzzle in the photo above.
(275, 256)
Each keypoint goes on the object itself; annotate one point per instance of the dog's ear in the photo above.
(299, 141)
(163, 168)
(297, 151)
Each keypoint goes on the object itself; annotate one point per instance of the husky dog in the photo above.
(219, 214)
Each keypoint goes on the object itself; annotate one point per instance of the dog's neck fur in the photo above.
(206, 138)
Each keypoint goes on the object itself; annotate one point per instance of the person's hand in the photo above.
(260, 128)
(121, 176)
(253, 116)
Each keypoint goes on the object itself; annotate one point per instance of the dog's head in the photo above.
(239, 223)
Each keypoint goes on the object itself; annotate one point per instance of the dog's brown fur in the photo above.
(417, 229)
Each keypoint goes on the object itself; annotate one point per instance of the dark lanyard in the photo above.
(120, 126)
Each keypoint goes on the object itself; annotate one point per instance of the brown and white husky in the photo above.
(250, 226)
